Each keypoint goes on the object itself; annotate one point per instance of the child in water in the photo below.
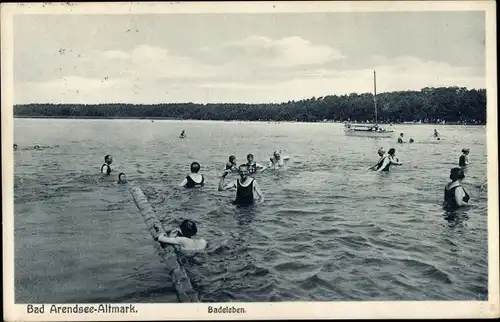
(182, 237)
(122, 178)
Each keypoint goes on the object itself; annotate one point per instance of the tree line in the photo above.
(429, 105)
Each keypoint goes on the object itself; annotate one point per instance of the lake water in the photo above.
(329, 229)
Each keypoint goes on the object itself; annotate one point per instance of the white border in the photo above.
(278, 310)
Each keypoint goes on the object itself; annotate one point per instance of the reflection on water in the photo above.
(328, 230)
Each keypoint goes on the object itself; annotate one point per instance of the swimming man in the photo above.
(253, 166)
(106, 167)
(246, 187)
(183, 238)
(194, 179)
(277, 160)
(388, 160)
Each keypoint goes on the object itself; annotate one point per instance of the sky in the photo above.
(242, 58)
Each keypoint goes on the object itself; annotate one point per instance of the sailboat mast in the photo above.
(375, 94)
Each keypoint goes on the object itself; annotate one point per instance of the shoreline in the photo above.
(178, 119)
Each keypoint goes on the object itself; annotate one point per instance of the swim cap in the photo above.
(392, 151)
(456, 174)
(195, 167)
(188, 228)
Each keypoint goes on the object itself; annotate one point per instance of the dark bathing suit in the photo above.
(252, 169)
(461, 161)
(449, 197)
(108, 171)
(192, 184)
(381, 162)
(244, 195)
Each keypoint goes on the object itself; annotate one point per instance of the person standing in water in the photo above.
(400, 138)
(183, 134)
(182, 237)
(381, 154)
(277, 160)
(15, 147)
(106, 167)
(388, 160)
(455, 195)
(253, 166)
(436, 134)
(464, 159)
(231, 165)
(246, 187)
(194, 179)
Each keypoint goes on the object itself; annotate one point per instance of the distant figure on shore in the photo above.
(455, 195)
(400, 138)
(194, 179)
(231, 165)
(15, 147)
(246, 187)
(106, 167)
(253, 167)
(37, 147)
(122, 178)
(277, 160)
(182, 237)
(388, 160)
(183, 134)
(411, 140)
(464, 158)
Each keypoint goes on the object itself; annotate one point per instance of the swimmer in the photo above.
(183, 134)
(194, 179)
(400, 138)
(246, 187)
(231, 165)
(106, 167)
(122, 178)
(15, 147)
(388, 160)
(37, 147)
(182, 237)
(253, 166)
(381, 154)
(277, 160)
(455, 195)
(436, 134)
(464, 159)
(411, 141)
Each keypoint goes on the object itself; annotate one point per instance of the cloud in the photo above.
(286, 52)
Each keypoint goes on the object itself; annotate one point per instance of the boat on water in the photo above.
(370, 130)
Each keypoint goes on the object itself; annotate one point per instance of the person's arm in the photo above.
(386, 161)
(162, 238)
(459, 197)
(183, 183)
(395, 161)
(223, 187)
(258, 192)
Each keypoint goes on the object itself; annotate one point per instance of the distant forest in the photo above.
(430, 105)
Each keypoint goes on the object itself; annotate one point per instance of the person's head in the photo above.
(392, 151)
(195, 167)
(456, 174)
(465, 151)
(250, 158)
(232, 159)
(243, 171)
(108, 159)
(402, 134)
(122, 178)
(411, 141)
(36, 147)
(188, 228)
(277, 155)
(15, 146)
(381, 151)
